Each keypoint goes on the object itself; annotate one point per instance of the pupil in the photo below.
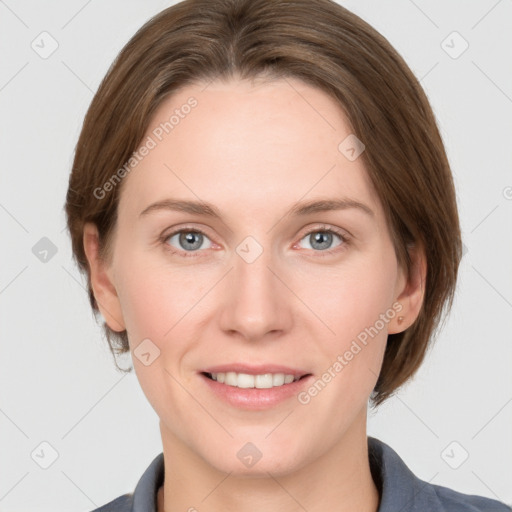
(323, 239)
(188, 238)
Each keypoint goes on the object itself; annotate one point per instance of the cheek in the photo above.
(158, 300)
(356, 303)
(158, 304)
(143, 306)
(353, 297)
(358, 309)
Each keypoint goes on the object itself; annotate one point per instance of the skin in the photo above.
(253, 149)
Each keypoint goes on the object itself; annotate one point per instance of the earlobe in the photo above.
(412, 293)
(101, 280)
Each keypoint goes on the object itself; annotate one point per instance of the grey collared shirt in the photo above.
(400, 490)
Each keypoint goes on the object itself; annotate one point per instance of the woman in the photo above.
(263, 206)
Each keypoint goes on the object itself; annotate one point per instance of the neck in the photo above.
(340, 479)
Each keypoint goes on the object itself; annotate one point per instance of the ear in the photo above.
(102, 281)
(410, 291)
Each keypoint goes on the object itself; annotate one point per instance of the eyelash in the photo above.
(194, 254)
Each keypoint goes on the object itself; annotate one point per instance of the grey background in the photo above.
(58, 383)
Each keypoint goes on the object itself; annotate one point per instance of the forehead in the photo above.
(263, 144)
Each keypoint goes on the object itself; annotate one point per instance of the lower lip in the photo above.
(256, 398)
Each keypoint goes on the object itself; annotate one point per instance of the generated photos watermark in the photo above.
(304, 397)
(151, 142)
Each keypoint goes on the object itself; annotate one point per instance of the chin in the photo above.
(256, 457)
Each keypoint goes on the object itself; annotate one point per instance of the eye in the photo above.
(321, 239)
(186, 241)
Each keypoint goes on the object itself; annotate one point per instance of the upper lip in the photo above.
(255, 369)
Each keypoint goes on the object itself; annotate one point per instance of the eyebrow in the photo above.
(298, 209)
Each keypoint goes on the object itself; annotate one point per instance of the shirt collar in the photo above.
(145, 493)
(399, 488)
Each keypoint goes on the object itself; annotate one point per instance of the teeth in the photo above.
(288, 379)
(263, 381)
(244, 380)
(278, 379)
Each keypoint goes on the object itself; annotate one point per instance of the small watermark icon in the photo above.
(249, 454)
(146, 352)
(44, 45)
(44, 455)
(44, 250)
(351, 147)
(249, 249)
(455, 455)
(454, 45)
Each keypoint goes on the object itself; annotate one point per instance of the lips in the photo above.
(255, 387)
(251, 377)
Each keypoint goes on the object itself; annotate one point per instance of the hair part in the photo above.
(326, 46)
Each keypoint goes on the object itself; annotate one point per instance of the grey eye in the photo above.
(320, 240)
(189, 240)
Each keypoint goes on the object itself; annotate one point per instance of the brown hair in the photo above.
(326, 46)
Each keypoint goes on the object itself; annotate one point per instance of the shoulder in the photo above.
(400, 489)
(122, 504)
(144, 497)
(455, 501)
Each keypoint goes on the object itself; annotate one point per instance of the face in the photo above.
(264, 288)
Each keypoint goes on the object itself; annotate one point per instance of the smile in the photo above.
(260, 381)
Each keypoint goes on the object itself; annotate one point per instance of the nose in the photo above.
(257, 304)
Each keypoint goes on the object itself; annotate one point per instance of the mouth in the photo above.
(254, 387)
(258, 381)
